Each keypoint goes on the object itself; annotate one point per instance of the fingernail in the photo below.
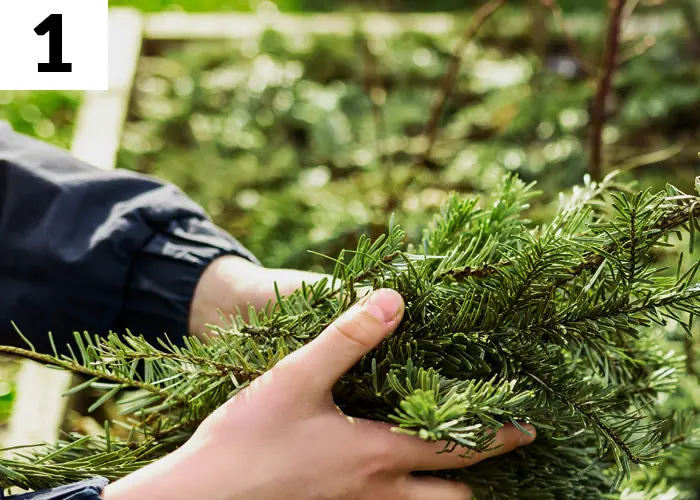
(524, 438)
(384, 304)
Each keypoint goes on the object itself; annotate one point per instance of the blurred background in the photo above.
(301, 124)
(294, 140)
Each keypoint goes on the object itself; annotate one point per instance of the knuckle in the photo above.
(357, 329)
(382, 455)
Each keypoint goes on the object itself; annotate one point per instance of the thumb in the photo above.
(359, 330)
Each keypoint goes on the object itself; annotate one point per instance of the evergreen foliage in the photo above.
(276, 135)
(561, 325)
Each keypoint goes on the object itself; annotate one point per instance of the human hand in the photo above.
(283, 437)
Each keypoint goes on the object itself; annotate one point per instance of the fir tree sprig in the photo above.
(558, 325)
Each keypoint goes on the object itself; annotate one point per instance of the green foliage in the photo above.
(203, 5)
(48, 115)
(276, 136)
(7, 397)
(323, 5)
(562, 325)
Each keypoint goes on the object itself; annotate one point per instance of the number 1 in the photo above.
(53, 25)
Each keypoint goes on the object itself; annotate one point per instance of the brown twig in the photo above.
(430, 132)
(376, 96)
(690, 356)
(673, 442)
(690, 14)
(556, 11)
(598, 111)
(475, 272)
(539, 31)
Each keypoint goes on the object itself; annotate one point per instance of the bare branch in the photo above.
(554, 7)
(690, 356)
(376, 95)
(430, 132)
(598, 111)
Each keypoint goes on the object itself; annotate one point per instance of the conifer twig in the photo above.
(581, 363)
(591, 259)
(220, 369)
(83, 370)
(592, 416)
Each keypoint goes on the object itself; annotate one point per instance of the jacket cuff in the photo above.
(85, 490)
(164, 274)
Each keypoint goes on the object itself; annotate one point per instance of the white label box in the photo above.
(53, 44)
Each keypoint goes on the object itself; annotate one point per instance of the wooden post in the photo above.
(40, 408)
(222, 26)
(102, 114)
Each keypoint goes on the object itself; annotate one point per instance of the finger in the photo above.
(319, 364)
(417, 454)
(433, 488)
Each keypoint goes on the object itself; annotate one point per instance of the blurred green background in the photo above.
(277, 138)
(335, 5)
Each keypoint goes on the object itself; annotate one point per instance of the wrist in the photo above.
(231, 283)
(189, 472)
(167, 479)
(223, 289)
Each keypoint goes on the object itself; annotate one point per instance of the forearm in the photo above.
(232, 283)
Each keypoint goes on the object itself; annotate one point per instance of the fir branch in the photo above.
(576, 355)
(265, 331)
(592, 260)
(590, 415)
(51, 465)
(474, 272)
(83, 370)
(219, 369)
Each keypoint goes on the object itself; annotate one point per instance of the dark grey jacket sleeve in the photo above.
(85, 490)
(86, 250)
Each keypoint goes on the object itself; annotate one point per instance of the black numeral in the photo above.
(53, 25)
